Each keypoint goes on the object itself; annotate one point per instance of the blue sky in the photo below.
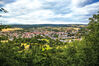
(48, 11)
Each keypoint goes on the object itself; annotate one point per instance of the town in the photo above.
(63, 34)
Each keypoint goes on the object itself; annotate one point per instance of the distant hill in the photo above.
(46, 25)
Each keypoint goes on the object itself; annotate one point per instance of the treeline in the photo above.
(4, 26)
(47, 25)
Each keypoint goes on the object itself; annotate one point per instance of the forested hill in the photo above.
(47, 25)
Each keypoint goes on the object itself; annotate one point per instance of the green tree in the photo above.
(92, 39)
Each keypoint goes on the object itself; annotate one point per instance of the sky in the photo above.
(48, 11)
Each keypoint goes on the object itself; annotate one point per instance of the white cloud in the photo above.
(1, 2)
(33, 11)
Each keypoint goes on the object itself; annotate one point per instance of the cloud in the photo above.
(3, 2)
(50, 11)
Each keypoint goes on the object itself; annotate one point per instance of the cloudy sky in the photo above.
(48, 11)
